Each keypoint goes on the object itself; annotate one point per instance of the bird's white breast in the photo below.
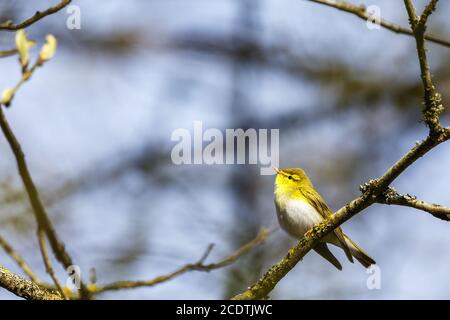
(297, 217)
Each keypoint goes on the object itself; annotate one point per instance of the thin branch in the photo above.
(360, 11)
(25, 288)
(8, 53)
(392, 197)
(10, 26)
(19, 260)
(429, 9)
(26, 75)
(48, 263)
(432, 99)
(206, 253)
(39, 210)
(197, 266)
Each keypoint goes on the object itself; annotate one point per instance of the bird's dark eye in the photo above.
(290, 177)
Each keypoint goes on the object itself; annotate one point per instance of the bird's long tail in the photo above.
(323, 250)
(358, 253)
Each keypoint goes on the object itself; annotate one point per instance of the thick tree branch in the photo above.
(360, 11)
(25, 288)
(10, 26)
(197, 266)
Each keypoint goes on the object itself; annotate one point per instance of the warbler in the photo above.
(299, 207)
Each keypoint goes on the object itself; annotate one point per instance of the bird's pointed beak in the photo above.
(276, 169)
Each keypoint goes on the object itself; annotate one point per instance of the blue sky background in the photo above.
(97, 119)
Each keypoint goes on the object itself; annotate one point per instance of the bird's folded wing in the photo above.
(322, 208)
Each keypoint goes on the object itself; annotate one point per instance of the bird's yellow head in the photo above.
(289, 181)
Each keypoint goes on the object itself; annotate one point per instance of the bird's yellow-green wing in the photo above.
(321, 207)
(317, 202)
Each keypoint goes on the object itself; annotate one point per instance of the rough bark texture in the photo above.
(25, 288)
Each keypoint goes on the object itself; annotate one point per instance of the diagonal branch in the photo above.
(48, 263)
(10, 26)
(360, 11)
(25, 77)
(197, 266)
(429, 9)
(19, 260)
(39, 211)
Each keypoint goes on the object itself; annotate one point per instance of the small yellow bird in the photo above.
(299, 207)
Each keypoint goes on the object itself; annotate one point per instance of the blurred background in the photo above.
(95, 123)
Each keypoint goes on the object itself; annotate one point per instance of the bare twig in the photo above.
(197, 266)
(432, 99)
(392, 197)
(25, 288)
(19, 260)
(10, 26)
(360, 11)
(26, 75)
(206, 253)
(48, 263)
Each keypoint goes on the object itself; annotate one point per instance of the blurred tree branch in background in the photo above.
(7, 53)
(197, 266)
(48, 262)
